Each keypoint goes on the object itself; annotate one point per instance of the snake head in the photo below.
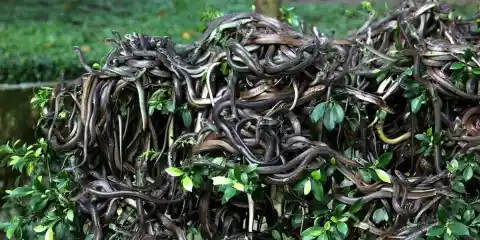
(209, 124)
(267, 121)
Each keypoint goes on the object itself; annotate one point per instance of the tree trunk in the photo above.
(268, 7)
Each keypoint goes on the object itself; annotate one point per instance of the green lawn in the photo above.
(37, 36)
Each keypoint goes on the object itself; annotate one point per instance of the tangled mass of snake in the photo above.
(257, 100)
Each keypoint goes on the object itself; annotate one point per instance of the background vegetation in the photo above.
(37, 36)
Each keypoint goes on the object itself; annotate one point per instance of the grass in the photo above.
(37, 36)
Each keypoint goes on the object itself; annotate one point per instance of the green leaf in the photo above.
(219, 180)
(416, 103)
(219, 161)
(322, 236)
(429, 131)
(476, 71)
(458, 187)
(357, 206)
(381, 77)
(229, 193)
(14, 160)
(276, 235)
(459, 229)
(312, 231)
(383, 175)
(70, 215)
(174, 172)
(380, 215)
(62, 230)
(448, 235)
(326, 225)
(421, 137)
(384, 159)
(239, 186)
(342, 228)
(442, 214)
(307, 187)
(452, 166)
(49, 234)
(468, 173)
(38, 185)
(169, 106)
(40, 205)
(457, 65)
(187, 183)
(318, 112)
(316, 175)
(38, 152)
(11, 230)
(435, 231)
(224, 68)
(299, 185)
(459, 78)
(365, 175)
(339, 209)
(329, 120)
(40, 228)
(251, 167)
(468, 215)
(317, 189)
(476, 221)
(186, 117)
(244, 178)
(20, 192)
(338, 113)
(197, 179)
(409, 72)
(421, 150)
